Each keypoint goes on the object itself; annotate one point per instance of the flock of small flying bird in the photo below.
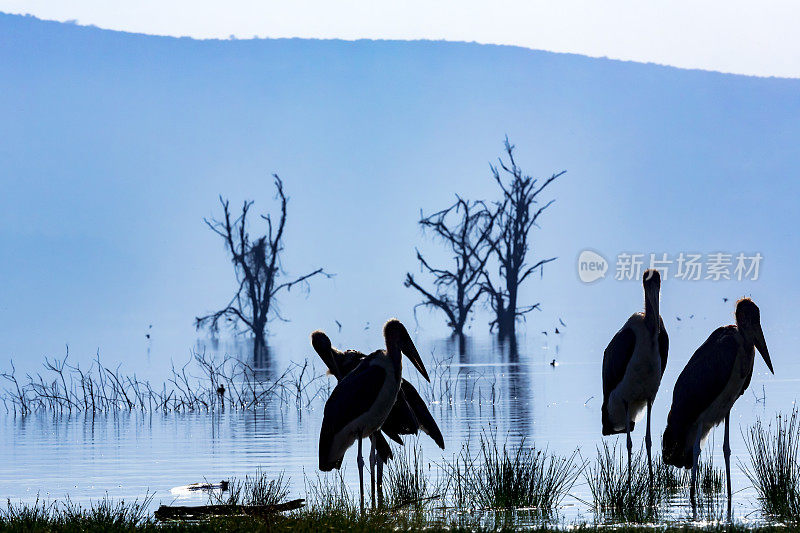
(372, 400)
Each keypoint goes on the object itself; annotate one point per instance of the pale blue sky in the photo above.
(113, 147)
(734, 36)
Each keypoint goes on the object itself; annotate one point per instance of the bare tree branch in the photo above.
(257, 267)
(518, 213)
(465, 228)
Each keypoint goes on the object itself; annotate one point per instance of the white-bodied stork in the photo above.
(408, 416)
(713, 379)
(363, 399)
(633, 365)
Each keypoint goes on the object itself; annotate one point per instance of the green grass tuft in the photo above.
(103, 515)
(258, 489)
(406, 483)
(502, 476)
(774, 467)
(627, 496)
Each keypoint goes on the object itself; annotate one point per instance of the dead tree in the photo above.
(518, 213)
(457, 289)
(257, 266)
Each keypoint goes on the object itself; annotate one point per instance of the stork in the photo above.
(362, 400)
(408, 415)
(633, 365)
(713, 379)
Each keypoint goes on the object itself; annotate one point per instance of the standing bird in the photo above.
(713, 379)
(633, 365)
(408, 415)
(362, 400)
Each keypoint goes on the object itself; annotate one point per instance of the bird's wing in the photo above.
(351, 398)
(392, 432)
(421, 412)
(382, 447)
(703, 378)
(663, 345)
(747, 379)
(616, 358)
(401, 419)
(354, 394)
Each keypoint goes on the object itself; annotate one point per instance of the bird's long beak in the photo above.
(408, 348)
(761, 345)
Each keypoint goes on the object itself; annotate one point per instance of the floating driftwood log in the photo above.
(198, 512)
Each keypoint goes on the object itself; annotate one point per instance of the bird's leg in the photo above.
(361, 474)
(372, 454)
(726, 450)
(630, 442)
(648, 442)
(380, 480)
(695, 464)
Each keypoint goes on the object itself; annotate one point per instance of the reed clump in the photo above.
(625, 495)
(407, 485)
(505, 476)
(328, 494)
(774, 468)
(104, 515)
(633, 499)
(258, 489)
(202, 384)
(711, 478)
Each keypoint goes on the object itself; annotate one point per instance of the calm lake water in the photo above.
(128, 454)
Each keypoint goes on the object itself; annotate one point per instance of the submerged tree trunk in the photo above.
(510, 312)
(505, 324)
(462, 343)
(259, 347)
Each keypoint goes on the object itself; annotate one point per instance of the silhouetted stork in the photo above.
(633, 365)
(408, 415)
(362, 400)
(713, 379)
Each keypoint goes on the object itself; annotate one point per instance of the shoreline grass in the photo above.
(103, 515)
(406, 484)
(616, 496)
(258, 489)
(504, 476)
(110, 516)
(523, 487)
(622, 495)
(774, 468)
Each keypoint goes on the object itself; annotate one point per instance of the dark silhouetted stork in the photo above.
(362, 400)
(633, 365)
(408, 416)
(713, 379)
